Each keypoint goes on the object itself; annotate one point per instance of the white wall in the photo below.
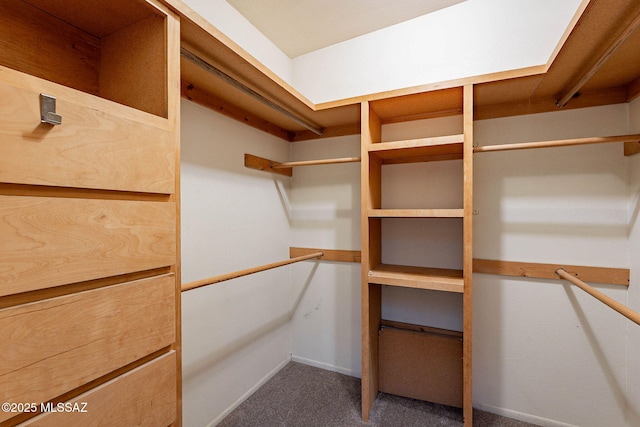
(543, 351)
(468, 39)
(541, 347)
(236, 333)
(325, 211)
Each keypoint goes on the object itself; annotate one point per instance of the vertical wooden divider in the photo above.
(173, 117)
(467, 360)
(371, 169)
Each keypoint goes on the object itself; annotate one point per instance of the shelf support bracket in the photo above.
(266, 165)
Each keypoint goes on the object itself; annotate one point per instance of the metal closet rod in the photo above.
(246, 89)
(620, 308)
(246, 272)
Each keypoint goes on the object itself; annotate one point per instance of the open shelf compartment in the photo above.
(115, 50)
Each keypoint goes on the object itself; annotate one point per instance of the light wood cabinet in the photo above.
(89, 255)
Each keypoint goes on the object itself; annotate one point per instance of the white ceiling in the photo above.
(301, 26)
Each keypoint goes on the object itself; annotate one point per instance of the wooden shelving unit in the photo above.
(375, 273)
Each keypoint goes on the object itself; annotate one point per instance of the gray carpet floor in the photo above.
(304, 396)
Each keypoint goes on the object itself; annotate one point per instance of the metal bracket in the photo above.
(48, 110)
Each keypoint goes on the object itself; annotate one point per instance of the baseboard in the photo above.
(249, 392)
(520, 416)
(326, 366)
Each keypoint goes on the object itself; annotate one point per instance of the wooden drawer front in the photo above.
(146, 396)
(92, 148)
(53, 346)
(54, 241)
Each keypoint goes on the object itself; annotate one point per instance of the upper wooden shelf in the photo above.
(416, 213)
(438, 279)
(419, 150)
(525, 91)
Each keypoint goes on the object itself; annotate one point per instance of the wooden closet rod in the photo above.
(246, 89)
(620, 308)
(240, 273)
(315, 162)
(557, 143)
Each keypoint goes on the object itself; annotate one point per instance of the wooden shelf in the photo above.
(416, 213)
(438, 279)
(419, 150)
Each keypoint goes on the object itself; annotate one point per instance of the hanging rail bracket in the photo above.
(266, 165)
(613, 276)
(260, 163)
